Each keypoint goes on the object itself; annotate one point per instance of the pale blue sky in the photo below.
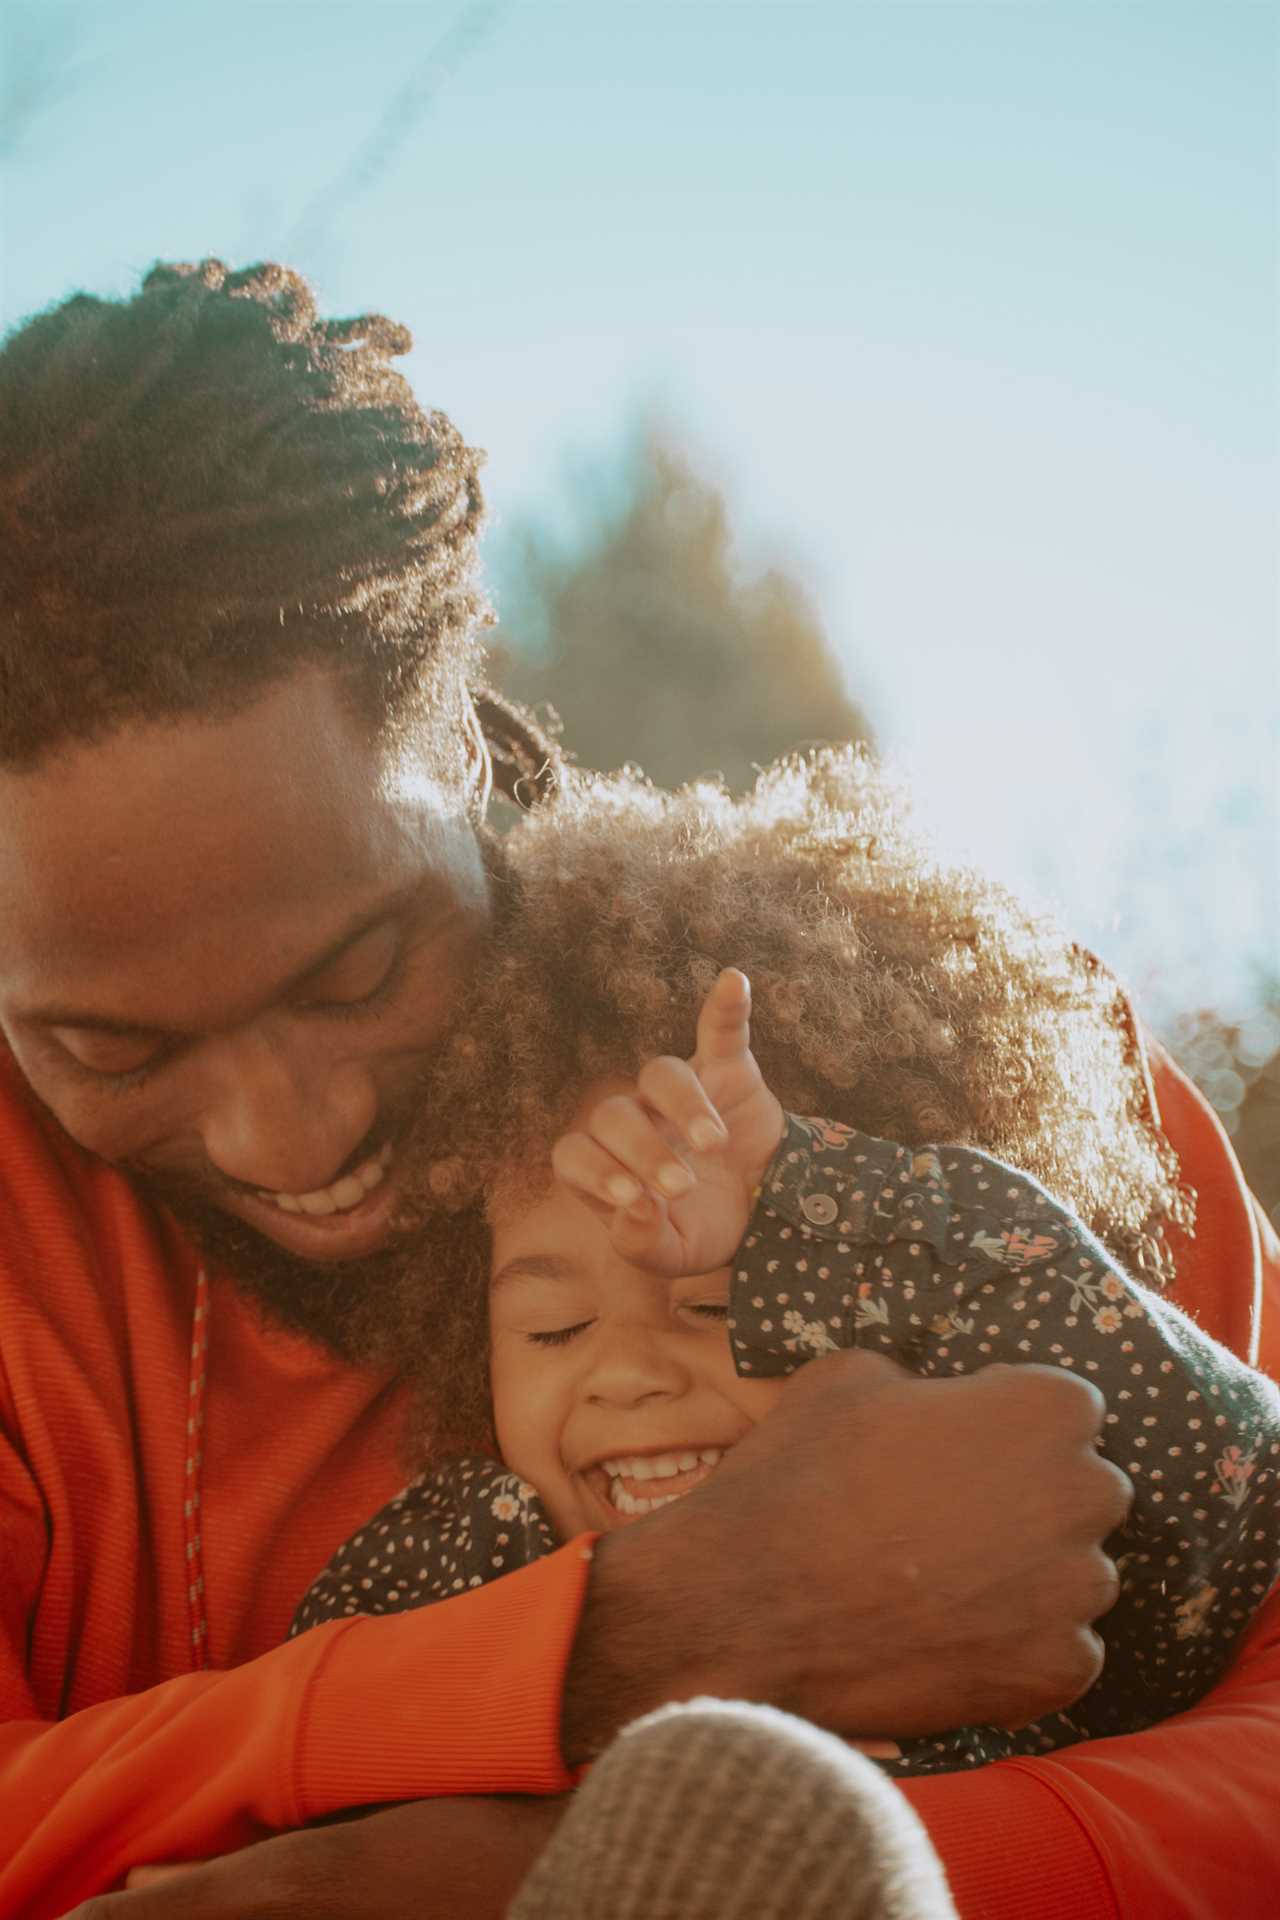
(974, 310)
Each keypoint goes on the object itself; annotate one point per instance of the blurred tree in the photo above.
(650, 650)
(642, 641)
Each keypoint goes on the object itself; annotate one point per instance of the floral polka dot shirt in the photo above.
(945, 1260)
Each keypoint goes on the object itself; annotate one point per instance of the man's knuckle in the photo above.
(1081, 1669)
(1101, 1586)
(1051, 1387)
(1072, 1394)
(1058, 1671)
(1115, 1493)
(1100, 1495)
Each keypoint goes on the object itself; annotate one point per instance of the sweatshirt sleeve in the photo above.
(1175, 1823)
(459, 1698)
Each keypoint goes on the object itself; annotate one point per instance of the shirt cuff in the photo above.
(463, 1697)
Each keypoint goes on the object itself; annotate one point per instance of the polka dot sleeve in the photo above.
(456, 1526)
(947, 1260)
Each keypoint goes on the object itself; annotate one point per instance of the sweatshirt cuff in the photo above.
(1012, 1845)
(462, 1697)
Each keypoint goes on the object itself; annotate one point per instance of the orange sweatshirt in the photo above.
(116, 1750)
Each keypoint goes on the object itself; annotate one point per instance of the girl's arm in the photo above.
(455, 1527)
(947, 1261)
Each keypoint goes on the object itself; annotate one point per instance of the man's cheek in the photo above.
(119, 1128)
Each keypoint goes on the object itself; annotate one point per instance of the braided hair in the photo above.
(206, 487)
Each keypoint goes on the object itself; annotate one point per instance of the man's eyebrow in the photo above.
(535, 1266)
(57, 1015)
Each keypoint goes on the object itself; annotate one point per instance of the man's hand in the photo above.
(672, 1164)
(884, 1555)
(434, 1859)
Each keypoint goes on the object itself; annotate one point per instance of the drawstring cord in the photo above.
(191, 1518)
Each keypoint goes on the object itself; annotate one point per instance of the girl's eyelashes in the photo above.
(557, 1336)
(717, 1310)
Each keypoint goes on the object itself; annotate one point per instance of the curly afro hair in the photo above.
(914, 1000)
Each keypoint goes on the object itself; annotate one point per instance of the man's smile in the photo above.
(350, 1217)
(341, 1195)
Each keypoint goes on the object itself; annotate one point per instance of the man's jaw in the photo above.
(343, 1279)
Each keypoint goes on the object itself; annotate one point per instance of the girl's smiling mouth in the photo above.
(633, 1484)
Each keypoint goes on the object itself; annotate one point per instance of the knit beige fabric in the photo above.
(719, 1810)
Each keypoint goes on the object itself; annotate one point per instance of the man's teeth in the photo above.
(343, 1194)
(655, 1466)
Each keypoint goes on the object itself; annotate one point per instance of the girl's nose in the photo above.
(632, 1362)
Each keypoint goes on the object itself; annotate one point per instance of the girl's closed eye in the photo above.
(557, 1336)
(716, 1310)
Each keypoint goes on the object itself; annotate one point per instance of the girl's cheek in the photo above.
(514, 1388)
(757, 1398)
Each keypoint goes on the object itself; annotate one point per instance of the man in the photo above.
(240, 777)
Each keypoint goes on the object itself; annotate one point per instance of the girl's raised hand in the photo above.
(674, 1163)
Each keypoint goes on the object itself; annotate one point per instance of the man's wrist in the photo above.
(637, 1645)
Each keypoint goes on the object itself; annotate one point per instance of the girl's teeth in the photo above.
(654, 1466)
(627, 1503)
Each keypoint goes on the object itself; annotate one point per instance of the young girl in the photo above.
(904, 1003)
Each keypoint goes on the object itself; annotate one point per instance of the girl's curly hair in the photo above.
(917, 1001)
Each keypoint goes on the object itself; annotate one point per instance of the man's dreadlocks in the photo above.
(206, 487)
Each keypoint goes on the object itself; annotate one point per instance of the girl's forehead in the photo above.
(524, 1181)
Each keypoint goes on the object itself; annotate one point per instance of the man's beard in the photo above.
(352, 1307)
(369, 1311)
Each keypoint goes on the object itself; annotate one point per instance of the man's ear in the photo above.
(479, 777)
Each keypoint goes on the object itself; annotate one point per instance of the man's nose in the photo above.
(633, 1362)
(282, 1116)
